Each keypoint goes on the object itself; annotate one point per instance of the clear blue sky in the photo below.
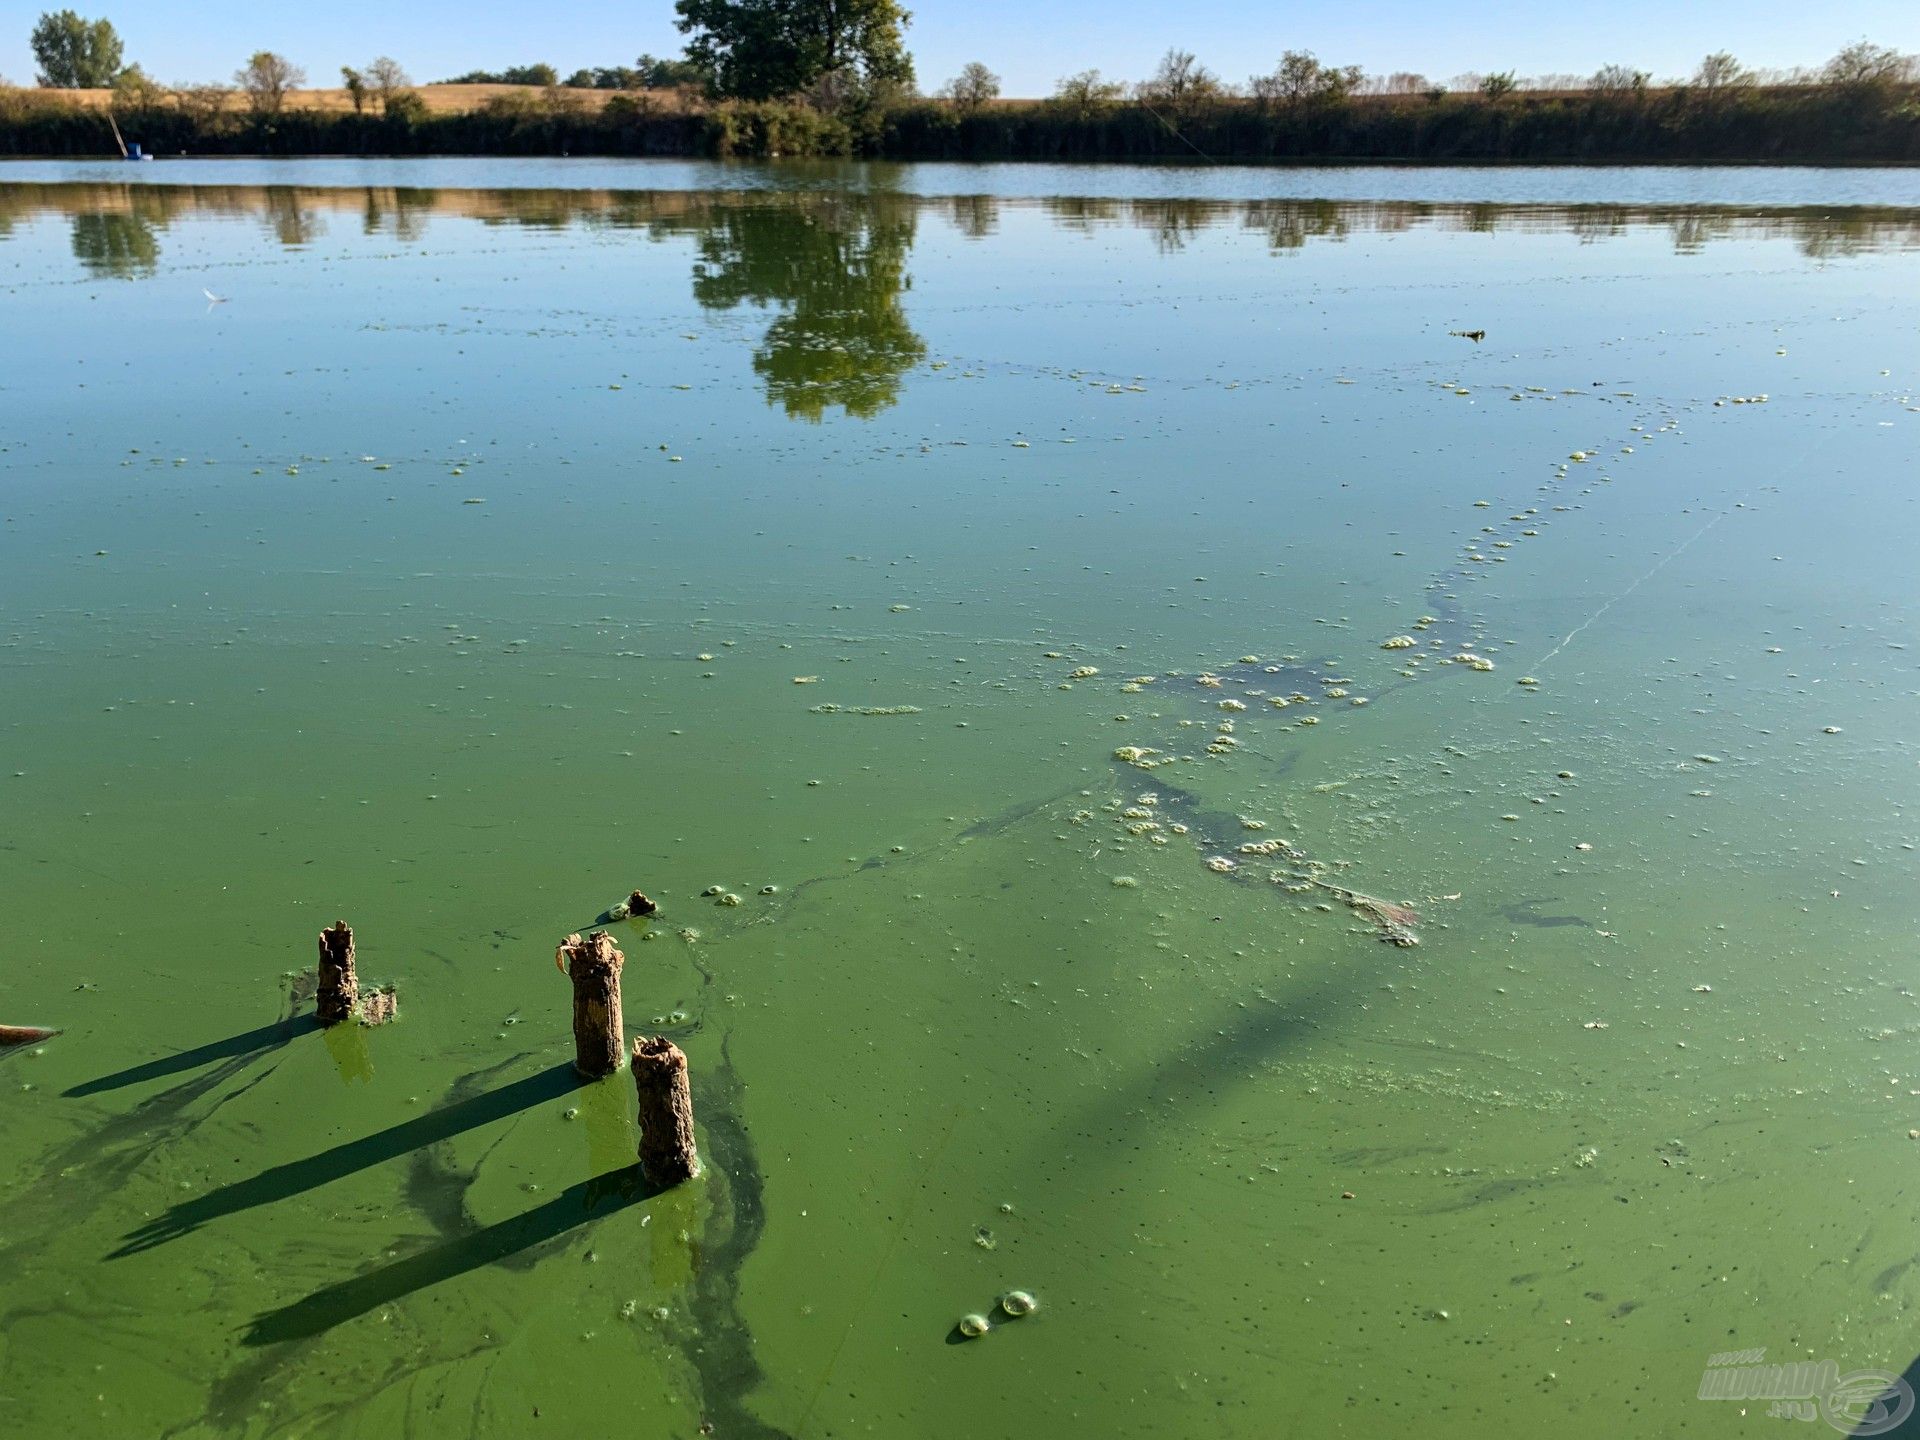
(1028, 42)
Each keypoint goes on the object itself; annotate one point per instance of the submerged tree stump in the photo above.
(339, 987)
(593, 964)
(667, 1154)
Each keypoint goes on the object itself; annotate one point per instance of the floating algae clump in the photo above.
(1399, 642)
(1395, 922)
(1083, 672)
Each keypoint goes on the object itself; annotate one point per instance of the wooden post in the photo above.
(339, 989)
(593, 964)
(667, 1154)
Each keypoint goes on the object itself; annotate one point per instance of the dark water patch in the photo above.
(1494, 1192)
(1884, 1282)
(999, 824)
(1385, 1154)
(1527, 912)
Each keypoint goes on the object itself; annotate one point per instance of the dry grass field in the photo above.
(440, 99)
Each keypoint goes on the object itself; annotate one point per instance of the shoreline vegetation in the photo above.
(1805, 124)
(772, 78)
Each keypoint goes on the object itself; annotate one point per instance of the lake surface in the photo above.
(928, 567)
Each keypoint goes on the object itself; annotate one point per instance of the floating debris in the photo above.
(1018, 1303)
(973, 1326)
(1395, 922)
(379, 1007)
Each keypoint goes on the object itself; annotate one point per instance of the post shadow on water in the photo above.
(298, 1176)
(266, 1037)
(319, 1312)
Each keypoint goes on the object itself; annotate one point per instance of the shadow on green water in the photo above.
(578, 1205)
(282, 1182)
(247, 1042)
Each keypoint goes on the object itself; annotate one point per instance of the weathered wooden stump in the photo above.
(667, 1154)
(339, 987)
(593, 964)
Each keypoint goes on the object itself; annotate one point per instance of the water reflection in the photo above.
(832, 266)
(836, 266)
(122, 244)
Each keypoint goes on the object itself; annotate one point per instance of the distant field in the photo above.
(442, 99)
(459, 99)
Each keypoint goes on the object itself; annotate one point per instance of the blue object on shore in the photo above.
(133, 153)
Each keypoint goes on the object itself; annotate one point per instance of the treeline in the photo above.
(1797, 124)
(649, 72)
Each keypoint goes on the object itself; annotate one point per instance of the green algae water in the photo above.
(1078, 628)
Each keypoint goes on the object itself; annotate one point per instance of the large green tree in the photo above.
(75, 53)
(757, 49)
